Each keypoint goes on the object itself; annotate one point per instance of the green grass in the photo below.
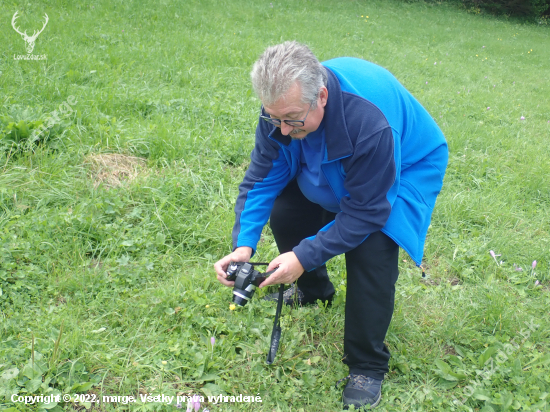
(113, 288)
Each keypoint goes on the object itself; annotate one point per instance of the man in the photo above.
(345, 161)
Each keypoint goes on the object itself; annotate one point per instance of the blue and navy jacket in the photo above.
(385, 158)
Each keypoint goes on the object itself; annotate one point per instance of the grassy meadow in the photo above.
(111, 221)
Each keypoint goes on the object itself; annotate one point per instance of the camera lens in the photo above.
(244, 287)
(240, 297)
(238, 300)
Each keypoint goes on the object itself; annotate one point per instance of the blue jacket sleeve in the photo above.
(264, 180)
(370, 173)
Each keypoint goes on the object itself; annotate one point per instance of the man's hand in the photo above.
(241, 254)
(288, 270)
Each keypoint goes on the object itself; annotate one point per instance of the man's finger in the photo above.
(221, 266)
(225, 282)
(264, 283)
(269, 281)
(272, 279)
(272, 266)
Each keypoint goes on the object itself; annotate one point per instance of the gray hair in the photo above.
(282, 65)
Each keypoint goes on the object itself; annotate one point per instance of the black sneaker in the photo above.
(293, 296)
(361, 391)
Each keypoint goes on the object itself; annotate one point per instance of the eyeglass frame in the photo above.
(278, 122)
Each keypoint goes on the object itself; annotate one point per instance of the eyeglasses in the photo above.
(294, 123)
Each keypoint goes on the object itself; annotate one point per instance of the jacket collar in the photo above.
(337, 138)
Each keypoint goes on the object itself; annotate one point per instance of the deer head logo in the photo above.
(28, 39)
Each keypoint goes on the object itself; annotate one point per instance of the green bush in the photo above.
(517, 8)
(23, 129)
(530, 9)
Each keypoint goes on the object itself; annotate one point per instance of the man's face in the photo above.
(290, 107)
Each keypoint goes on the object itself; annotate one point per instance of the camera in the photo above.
(246, 279)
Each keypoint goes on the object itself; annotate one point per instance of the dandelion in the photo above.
(232, 306)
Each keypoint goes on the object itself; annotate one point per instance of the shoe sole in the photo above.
(371, 406)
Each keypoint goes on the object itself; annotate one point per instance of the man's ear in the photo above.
(323, 96)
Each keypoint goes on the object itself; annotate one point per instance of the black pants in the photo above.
(371, 275)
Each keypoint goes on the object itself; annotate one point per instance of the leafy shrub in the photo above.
(529, 9)
(23, 130)
(19, 136)
(517, 8)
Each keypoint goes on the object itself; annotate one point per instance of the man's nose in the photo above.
(286, 129)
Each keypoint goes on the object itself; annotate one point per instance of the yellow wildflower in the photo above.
(232, 306)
